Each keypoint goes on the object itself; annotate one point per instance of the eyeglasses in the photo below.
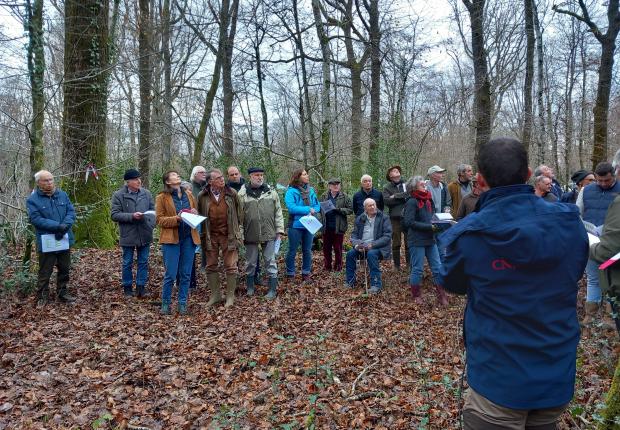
(217, 178)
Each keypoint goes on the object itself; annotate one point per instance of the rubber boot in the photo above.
(249, 286)
(273, 285)
(607, 322)
(416, 293)
(165, 309)
(213, 280)
(442, 297)
(591, 311)
(182, 309)
(231, 286)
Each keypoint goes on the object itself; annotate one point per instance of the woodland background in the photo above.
(342, 87)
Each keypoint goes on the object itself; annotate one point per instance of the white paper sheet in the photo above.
(276, 246)
(149, 213)
(310, 223)
(50, 244)
(593, 239)
(192, 220)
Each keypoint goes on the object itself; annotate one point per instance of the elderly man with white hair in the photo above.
(198, 179)
(372, 240)
(52, 213)
(366, 192)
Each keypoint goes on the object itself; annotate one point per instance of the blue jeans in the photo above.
(372, 258)
(295, 237)
(593, 292)
(143, 265)
(178, 259)
(417, 263)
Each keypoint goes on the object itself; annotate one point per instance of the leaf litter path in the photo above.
(319, 355)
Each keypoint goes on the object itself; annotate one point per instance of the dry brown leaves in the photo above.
(319, 355)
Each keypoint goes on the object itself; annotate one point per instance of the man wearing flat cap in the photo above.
(395, 196)
(129, 205)
(580, 178)
(335, 215)
(438, 189)
(263, 225)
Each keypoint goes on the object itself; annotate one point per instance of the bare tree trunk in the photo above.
(569, 86)
(326, 113)
(529, 75)
(263, 107)
(583, 122)
(375, 80)
(166, 143)
(145, 76)
(482, 95)
(542, 134)
(85, 92)
(227, 86)
(305, 84)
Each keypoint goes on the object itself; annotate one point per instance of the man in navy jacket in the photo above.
(51, 213)
(518, 259)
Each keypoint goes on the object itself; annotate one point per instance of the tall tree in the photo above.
(145, 77)
(529, 74)
(227, 85)
(605, 71)
(374, 32)
(85, 91)
(482, 90)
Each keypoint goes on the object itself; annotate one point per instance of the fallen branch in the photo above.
(362, 373)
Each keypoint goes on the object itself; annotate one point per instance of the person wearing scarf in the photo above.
(417, 217)
(178, 240)
(301, 200)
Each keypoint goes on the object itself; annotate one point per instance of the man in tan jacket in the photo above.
(221, 233)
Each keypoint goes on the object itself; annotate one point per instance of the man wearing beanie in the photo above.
(580, 178)
(129, 205)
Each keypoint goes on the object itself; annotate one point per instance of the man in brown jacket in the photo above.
(221, 232)
(461, 187)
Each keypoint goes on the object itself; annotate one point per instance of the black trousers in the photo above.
(47, 261)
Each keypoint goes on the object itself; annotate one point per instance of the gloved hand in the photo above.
(58, 235)
(63, 228)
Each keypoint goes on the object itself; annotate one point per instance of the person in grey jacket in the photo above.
(263, 224)
(371, 239)
(129, 205)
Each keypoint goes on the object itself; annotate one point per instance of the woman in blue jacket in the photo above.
(301, 200)
(417, 217)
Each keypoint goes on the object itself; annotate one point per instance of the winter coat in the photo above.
(262, 215)
(556, 188)
(46, 213)
(133, 232)
(166, 218)
(456, 196)
(296, 206)
(234, 218)
(570, 196)
(382, 238)
(607, 248)
(518, 259)
(446, 198)
(417, 222)
(394, 197)
(596, 201)
(344, 208)
(361, 195)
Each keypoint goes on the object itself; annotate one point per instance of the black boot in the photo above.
(65, 297)
(128, 290)
(249, 286)
(273, 285)
(140, 291)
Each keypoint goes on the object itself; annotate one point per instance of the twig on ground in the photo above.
(362, 373)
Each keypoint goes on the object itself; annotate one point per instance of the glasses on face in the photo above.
(217, 178)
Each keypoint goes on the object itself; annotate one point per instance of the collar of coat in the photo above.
(226, 191)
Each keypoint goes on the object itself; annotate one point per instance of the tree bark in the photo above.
(529, 75)
(375, 80)
(482, 91)
(227, 86)
(145, 76)
(542, 134)
(167, 101)
(85, 92)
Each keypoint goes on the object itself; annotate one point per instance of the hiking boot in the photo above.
(165, 309)
(416, 293)
(258, 280)
(64, 297)
(591, 309)
(43, 298)
(273, 285)
(128, 290)
(374, 290)
(213, 280)
(442, 297)
(607, 322)
(231, 286)
(182, 308)
(140, 291)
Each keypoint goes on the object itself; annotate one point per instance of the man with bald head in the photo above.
(51, 212)
(371, 240)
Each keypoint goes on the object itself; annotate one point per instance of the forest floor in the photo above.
(319, 356)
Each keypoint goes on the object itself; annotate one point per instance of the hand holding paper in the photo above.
(192, 220)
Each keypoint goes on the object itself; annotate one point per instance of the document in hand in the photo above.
(192, 220)
(50, 244)
(593, 239)
(310, 223)
(149, 213)
(443, 218)
(327, 206)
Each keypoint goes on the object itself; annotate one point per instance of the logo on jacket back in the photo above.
(502, 264)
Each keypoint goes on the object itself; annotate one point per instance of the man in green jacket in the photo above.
(263, 225)
(609, 279)
(336, 206)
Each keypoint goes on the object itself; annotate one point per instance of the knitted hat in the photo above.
(579, 176)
